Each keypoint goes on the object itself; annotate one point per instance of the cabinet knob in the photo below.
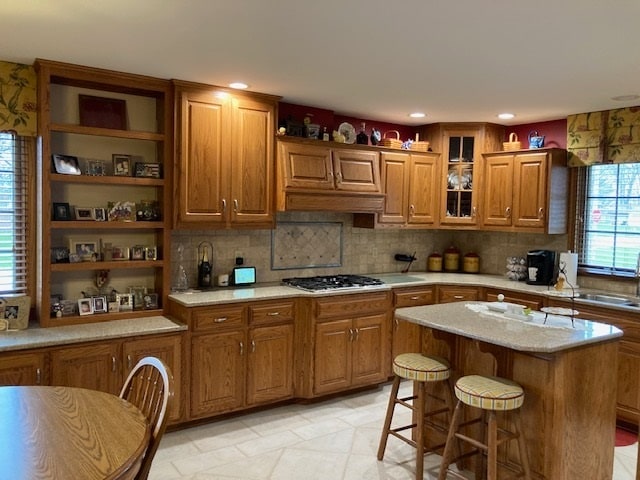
(507, 212)
(540, 213)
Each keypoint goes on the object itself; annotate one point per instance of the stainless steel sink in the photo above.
(611, 299)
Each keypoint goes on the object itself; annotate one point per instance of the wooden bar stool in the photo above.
(491, 395)
(421, 370)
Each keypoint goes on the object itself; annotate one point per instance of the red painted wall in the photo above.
(554, 131)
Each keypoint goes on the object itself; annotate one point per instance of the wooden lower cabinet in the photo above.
(534, 302)
(23, 369)
(406, 336)
(457, 293)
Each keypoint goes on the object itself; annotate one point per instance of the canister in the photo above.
(434, 262)
(451, 259)
(471, 263)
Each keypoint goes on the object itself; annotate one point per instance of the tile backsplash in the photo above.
(360, 250)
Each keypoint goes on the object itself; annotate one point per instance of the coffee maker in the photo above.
(540, 267)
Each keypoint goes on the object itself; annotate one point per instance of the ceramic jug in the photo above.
(536, 140)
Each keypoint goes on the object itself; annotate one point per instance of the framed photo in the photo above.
(86, 250)
(99, 304)
(138, 296)
(150, 300)
(59, 255)
(66, 164)
(121, 211)
(119, 253)
(95, 167)
(102, 112)
(137, 252)
(84, 213)
(99, 214)
(114, 306)
(151, 253)
(85, 306)
(121, 165)
(148, 170)
(15, 311)
(61, 211)
(125, 301)
(148, 211)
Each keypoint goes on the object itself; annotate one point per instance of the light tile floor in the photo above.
(335, 439)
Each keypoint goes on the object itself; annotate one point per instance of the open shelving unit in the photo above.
(147, 139)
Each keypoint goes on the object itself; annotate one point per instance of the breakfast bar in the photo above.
(566, 366)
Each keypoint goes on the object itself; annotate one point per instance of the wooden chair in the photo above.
(149, 387)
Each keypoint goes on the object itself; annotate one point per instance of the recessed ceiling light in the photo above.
(239, 85)
(625, 98)
(505, 116)
(417, 115)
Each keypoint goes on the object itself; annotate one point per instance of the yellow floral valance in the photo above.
(18, 99)
(611, 136)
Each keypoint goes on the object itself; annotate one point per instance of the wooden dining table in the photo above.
(53, 433)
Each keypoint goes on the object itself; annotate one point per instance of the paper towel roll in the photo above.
(569, 264)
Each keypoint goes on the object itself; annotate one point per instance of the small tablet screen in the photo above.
(244, 275)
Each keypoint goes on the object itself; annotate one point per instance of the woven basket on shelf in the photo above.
(420, 146)
(512, 144)
(391, 142)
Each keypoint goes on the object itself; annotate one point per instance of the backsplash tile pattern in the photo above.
(297, 245)
(363, 250)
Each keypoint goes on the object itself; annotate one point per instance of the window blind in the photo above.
(14, 213)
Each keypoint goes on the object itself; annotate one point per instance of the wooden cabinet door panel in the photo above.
(449, 293)
(204, 125)
(215, 318)
(530, 194)
(270, 366)
(497, 207)
(306, 166)
(423, 190)
(96, 367)
(369, 350)
(167, 349)
(356, 170)
(275, 312)
(352, 305)
(395, 181)
(22, 369)
(252, 162)
(332, 354)
(217, 372)
(628, 398)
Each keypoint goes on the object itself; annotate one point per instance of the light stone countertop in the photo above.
(474, 320)
(36, 337)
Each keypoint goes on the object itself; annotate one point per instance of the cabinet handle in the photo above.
(397, 322)
(540, 213)
(224, 205)
(351, 334)
(339, 177)
(253, 346)
(414, 298)
(357, 333)
(129, 362)
(235, 205)
(241, 348)
(113, 364)
(458, 297)
(474, 212)
(273, 314)
(220, 319)
(38, 376)
(412, 209)
(507, 212)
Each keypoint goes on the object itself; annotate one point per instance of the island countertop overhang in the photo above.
(459, 319)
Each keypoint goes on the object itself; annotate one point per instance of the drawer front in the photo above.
(352, 305)
(413, 297)
(457, 294)
(216, 318)
(271, 313)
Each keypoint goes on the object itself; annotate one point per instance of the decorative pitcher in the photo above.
(536, 140)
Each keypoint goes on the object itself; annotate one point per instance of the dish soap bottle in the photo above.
(362, 138)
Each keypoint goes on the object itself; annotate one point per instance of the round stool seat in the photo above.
(421, 368)
(489, 393)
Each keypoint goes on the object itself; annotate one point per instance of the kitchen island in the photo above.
(568, 374)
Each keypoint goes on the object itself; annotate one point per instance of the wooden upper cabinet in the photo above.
(395, 180)
(305, 166)
(356, 170)
(526, 191)
(423, 189)
(225, 157)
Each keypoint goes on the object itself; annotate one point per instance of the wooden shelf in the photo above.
(103, 317)
(108, 180)
(93, 225)
(106, 132)
(111, 265)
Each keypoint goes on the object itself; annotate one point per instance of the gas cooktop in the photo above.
(332, 282)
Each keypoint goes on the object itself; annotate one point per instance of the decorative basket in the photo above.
(420, 146)
(391, 142)
(512, 144)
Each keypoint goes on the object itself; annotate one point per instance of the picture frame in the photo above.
(125, 301)
(61, 211)
(69, 307)
(137, 252)
(15, 311)
(100, 214)
(150, 301)
(114, 306)
(102, 112)
(66, 164)
(138, 293)
(59, 255)
(121, 211)
(147, 170)
(86, 250)
(95, 168)
(85, 306)
(119, 253)
(151, 253)
(99, 304)
(148, 211)
(121, 165)
(84, 213)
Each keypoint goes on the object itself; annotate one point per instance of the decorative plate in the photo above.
(453, 180)
(348, 131)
